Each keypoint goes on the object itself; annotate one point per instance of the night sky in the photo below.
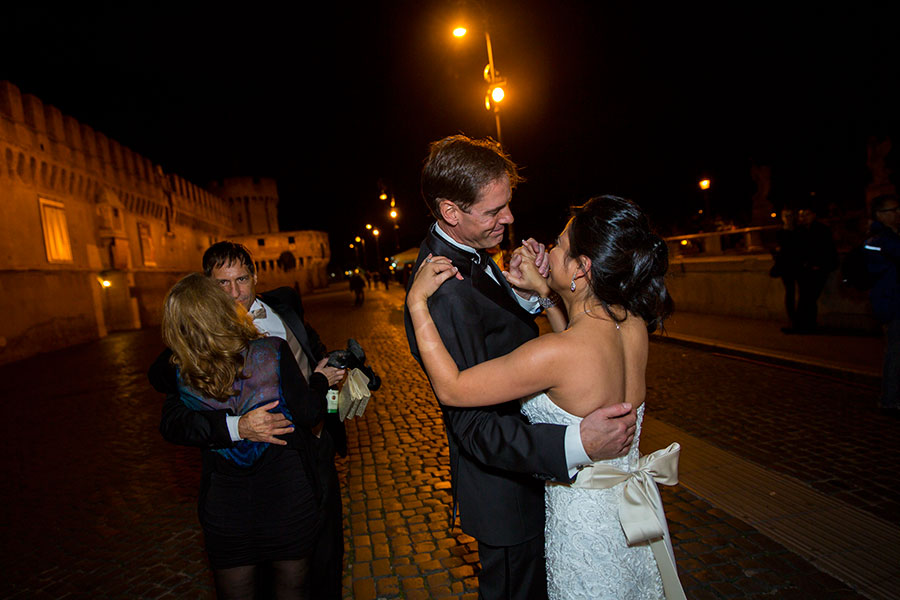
(635, 99)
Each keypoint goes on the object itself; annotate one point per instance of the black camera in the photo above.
(354, 358)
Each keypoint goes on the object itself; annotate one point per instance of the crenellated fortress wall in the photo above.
(78, 209)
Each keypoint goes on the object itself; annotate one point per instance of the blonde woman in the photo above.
(258, 501)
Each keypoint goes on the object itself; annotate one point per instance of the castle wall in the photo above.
(253, 202)
(78, 209)
(296, 259)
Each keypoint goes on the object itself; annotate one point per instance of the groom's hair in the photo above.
(458, 168)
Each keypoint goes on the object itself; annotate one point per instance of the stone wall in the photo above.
(741, 286)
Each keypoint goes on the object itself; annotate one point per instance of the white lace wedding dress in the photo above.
(585, 548)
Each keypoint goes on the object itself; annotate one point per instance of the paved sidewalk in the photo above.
(844, 354)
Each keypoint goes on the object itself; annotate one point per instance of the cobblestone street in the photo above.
(97, 505)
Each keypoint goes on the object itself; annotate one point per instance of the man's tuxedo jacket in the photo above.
(207, 428)
(498, 461)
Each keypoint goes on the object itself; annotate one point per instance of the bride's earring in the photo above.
(572, 286)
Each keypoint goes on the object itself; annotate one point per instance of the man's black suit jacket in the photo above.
(208, 429)
(498, 461)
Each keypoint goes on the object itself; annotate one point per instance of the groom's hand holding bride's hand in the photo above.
(433, 271)
(528, 269)
(608, 432)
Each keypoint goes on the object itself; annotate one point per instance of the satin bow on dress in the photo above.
(640, 509)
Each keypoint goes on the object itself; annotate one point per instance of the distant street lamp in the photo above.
(394, 214)
(376, 233)
(704, 187)
(360, 240)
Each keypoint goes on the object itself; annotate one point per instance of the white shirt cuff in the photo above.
(232, 422)
(530, 304)
(575, 454)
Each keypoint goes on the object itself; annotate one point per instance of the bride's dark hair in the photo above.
(628, 260)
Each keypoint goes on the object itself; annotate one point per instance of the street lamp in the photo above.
(362, 241)
(704, 187)
(393, 215)
(495, 93)
(356, 248)
(376, 233)
(492, 97)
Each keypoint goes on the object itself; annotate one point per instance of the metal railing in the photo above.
(747, 240)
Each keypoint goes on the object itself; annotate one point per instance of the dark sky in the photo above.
(636, 99)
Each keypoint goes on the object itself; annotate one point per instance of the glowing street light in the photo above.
(394, 215)
(355, 248)
(360, 240)
(704, 187)
(375, 234)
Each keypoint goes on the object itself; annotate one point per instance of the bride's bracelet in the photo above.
(551, 300)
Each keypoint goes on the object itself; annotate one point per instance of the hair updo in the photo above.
(628, 261)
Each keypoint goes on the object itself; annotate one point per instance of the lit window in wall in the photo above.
(56, 232)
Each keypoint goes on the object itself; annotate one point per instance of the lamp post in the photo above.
(393, 215)
(492, 98)
(360, 240)
(495, 93)
(375, 234)
(354, 247)
(704, 187)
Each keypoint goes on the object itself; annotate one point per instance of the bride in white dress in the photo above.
(606, 536)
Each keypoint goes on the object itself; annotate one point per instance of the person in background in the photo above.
(883, 261)
(785, 257)
(816, 258)
(357, 286)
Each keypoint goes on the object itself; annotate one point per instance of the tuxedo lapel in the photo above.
(498, 292)
(292, 321)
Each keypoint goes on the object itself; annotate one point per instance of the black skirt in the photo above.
(264, 513)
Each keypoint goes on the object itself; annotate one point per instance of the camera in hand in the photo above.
(354, 358)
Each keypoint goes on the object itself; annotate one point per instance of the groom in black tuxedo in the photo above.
(498, 461)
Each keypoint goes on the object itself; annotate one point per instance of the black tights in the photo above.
(288, 581)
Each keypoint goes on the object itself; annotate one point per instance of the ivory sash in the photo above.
(640, 510)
